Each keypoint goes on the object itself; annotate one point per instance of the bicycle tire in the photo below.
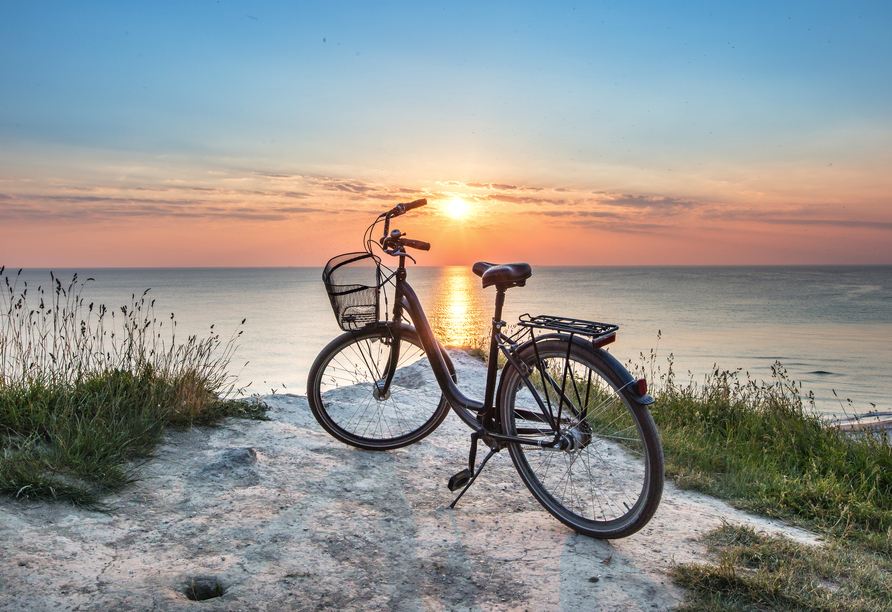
(342, 380)
(609, 483)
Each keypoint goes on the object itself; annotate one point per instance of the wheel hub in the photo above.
(377, 391)
(576, 438)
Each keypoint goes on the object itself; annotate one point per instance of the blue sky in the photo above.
(785, 103)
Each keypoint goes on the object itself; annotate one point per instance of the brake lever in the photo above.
(400, 254)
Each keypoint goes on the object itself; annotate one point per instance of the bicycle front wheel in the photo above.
(344, 383)
(608, 479)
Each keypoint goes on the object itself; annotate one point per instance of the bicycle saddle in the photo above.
(510, 275)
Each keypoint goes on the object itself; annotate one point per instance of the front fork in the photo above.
(382, 391)
(382, 385)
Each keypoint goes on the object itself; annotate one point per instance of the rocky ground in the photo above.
(277, 515)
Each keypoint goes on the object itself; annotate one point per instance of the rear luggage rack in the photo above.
(572, 326)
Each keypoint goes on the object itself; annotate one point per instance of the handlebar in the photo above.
(394, 243)
(400, 209)
(397, 242)
(415, 244)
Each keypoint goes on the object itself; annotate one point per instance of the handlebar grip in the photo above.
(416, 244)
(415, 204)
(399, 209)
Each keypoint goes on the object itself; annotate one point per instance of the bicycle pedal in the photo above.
(460, 480)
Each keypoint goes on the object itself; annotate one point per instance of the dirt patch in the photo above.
(278, 515)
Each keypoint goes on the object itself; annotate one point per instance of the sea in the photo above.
(828, 327)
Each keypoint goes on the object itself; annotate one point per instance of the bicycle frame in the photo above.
(479, 416)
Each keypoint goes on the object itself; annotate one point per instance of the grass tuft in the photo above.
(86, 391)
(757, 445)
(755, 571)
(761, 446)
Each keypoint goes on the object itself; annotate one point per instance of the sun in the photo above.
(456, 208)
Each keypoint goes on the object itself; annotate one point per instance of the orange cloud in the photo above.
(237, 217)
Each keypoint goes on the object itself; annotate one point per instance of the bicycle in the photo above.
(575, 422)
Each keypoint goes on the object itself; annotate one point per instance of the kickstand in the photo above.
(474, 477)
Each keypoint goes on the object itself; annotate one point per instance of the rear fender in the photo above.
(625, 379)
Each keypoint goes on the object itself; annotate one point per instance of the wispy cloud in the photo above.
(577, 213)
(354, 187)
(265, 196)
(491, 186)
(865, 224)
(603, 220)
(498, 197)
(645, 201)
(86, 209)
(273, 175)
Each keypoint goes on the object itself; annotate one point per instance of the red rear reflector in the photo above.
(641, 386)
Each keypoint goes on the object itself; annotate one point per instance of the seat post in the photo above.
(500, 302)
(493, 365)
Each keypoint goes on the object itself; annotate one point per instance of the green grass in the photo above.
(757, 445)
(86, 392)
(761, 446)
(754, 571)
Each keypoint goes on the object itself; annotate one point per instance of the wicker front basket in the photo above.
(353, 282)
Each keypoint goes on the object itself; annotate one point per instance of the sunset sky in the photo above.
(230, 133)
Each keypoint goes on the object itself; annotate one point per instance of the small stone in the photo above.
(594, 579)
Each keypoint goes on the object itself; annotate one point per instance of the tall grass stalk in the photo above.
(85, 390)
(761, 446)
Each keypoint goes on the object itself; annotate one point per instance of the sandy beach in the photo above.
(276, 515)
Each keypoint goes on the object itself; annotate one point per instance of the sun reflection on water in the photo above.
(458, 314)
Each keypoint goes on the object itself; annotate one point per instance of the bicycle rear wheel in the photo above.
(342, 390)
(609, 480)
